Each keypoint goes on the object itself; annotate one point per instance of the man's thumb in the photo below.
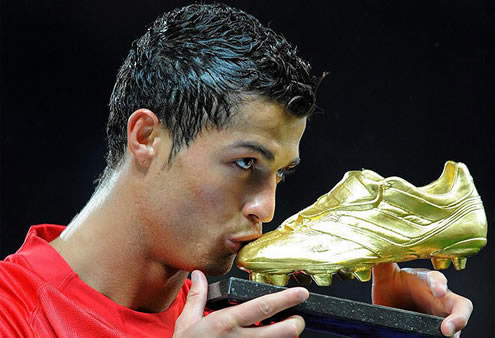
(196, 300)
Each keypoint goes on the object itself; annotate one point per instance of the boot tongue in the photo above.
(355, 187)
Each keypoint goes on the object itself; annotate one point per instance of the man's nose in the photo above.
(261, 204)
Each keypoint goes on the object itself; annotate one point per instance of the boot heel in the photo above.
(459, 263)
(440, 263)
(444, 263)
(465, 248)
(457, 254)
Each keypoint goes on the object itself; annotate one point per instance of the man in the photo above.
(205, 119)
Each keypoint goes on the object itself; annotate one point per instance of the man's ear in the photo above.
(142, 128)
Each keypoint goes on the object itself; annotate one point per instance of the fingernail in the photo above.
(194, 275)
(303, 295)
(450, 329)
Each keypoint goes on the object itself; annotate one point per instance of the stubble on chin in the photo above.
(219, 266)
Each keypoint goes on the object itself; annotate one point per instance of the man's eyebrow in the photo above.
(267, 154)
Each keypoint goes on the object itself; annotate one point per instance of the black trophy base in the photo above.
(330, 314)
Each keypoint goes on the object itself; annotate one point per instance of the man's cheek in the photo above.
(213, 193)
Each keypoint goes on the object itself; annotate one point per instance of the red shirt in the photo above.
(41, 296)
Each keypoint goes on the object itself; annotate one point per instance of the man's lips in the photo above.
(233, 245)
(236, 244)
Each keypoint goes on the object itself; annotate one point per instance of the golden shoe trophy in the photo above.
(367, 219)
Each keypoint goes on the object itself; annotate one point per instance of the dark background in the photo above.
(411, 85)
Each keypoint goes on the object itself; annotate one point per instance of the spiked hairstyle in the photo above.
(192, 67)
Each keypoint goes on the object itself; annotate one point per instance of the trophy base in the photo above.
(330, 314)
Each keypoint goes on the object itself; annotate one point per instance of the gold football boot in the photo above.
(367, 219)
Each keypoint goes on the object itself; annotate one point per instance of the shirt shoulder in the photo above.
(18, 299)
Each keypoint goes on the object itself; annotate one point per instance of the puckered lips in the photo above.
(235, 244)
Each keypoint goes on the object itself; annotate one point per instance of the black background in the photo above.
(410, 86)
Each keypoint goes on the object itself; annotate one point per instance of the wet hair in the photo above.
(193, 66)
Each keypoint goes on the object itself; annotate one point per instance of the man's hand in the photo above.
(421, 290)
(235, 321)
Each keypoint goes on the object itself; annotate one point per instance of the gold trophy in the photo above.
(367, 219)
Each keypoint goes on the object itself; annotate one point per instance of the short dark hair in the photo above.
(193, 65)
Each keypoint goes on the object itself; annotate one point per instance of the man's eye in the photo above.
(283, 173)
(245, 163)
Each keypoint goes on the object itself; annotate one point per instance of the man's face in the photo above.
(218, 191)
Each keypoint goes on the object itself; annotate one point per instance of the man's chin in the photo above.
(220, 267)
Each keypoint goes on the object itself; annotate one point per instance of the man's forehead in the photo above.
(264, 113)
(266, 127)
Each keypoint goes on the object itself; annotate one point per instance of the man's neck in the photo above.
(104, 246)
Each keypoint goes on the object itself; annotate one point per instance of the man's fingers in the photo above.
(264, 307)
(459, 317)
(435, 280)
(233, 320)
(426, 291)
(196, 301)
(290, 327)
(437, 283)
(384, 271)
